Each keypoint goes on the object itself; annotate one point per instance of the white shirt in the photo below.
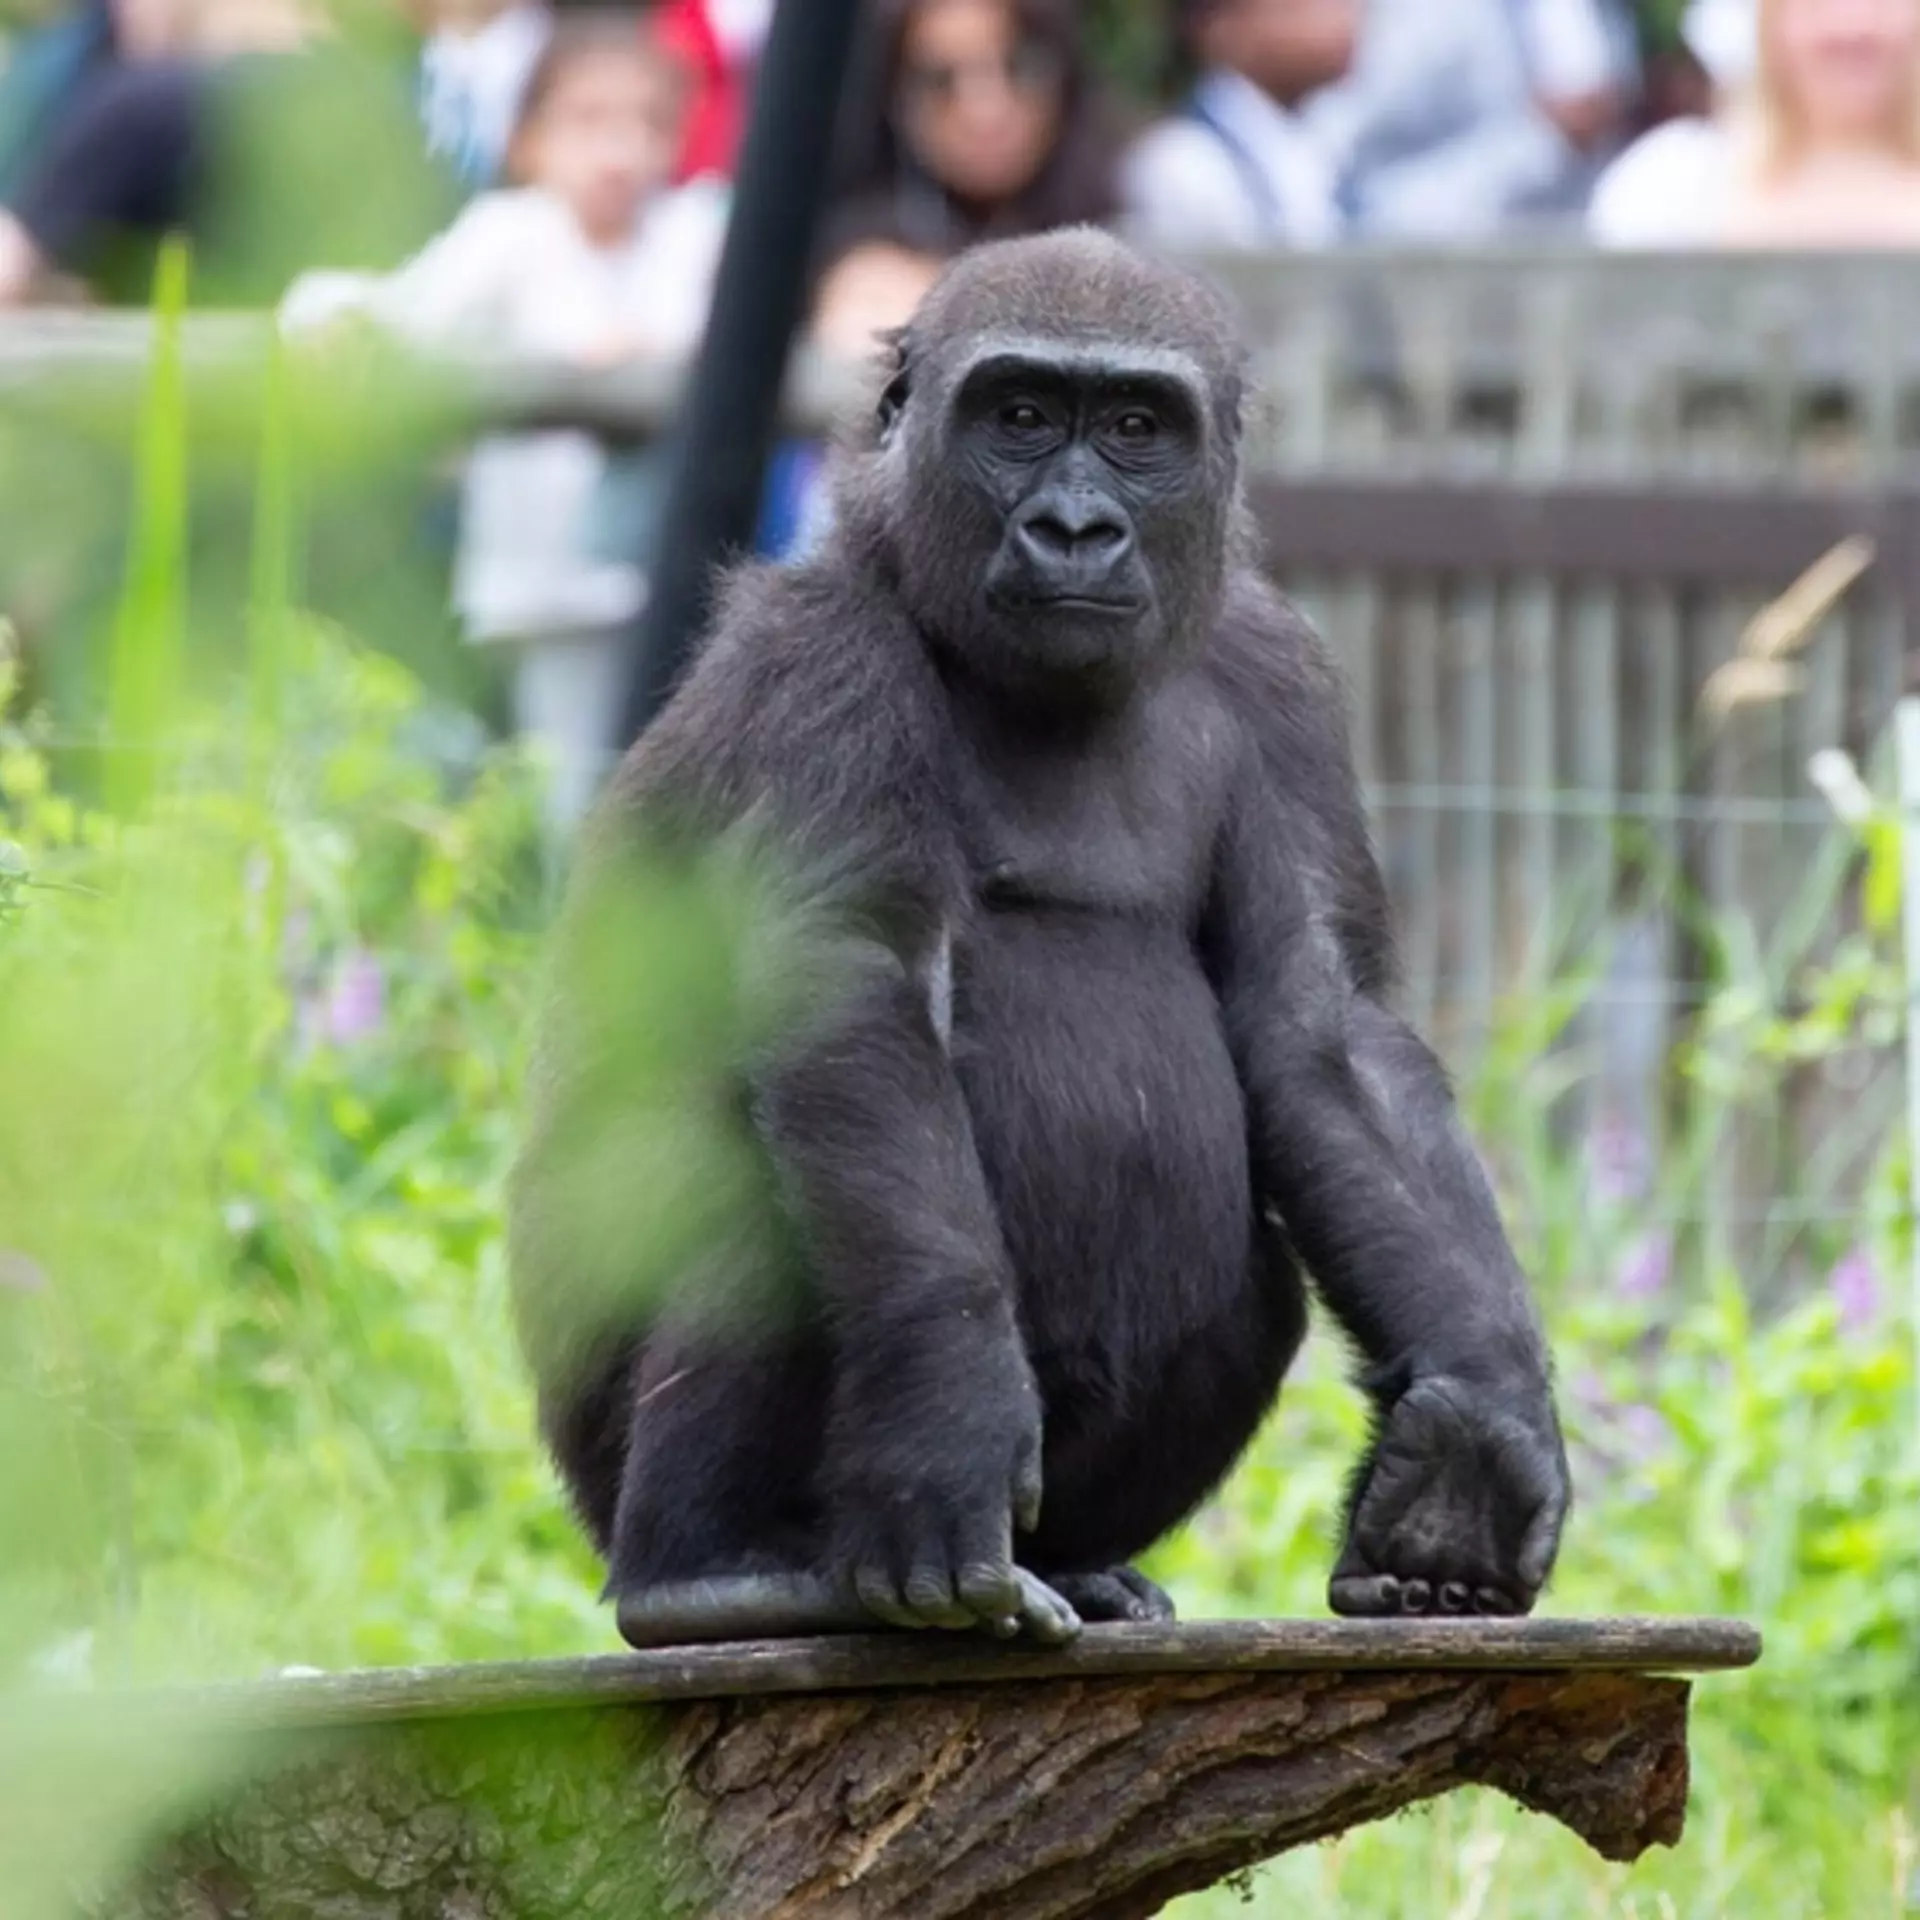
(1669, 189)
(1567, 48)
(1437, 130)
(470, 87)
(1247, 174)
(515, 276)
(1724, 36)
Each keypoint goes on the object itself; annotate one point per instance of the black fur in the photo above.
(1019, 1275)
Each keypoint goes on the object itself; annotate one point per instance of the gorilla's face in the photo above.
(1063, 515)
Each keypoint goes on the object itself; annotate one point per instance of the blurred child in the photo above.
(591, 258)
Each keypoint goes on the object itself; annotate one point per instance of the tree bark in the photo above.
(1092, 1784)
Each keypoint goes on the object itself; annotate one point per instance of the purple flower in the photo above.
(1646, 1267)
(356, 999)
(1644, 1433)
(1855, 1284)
(1591, 1391)
(18, 1274)
(1618, 1160)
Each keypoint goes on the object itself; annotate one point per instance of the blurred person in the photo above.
(985, 124)
(589, 257)
(1465, 121)
(1815, 141)
(1724, 36)
(47, 65)
(1236, 167)
(234, 138)
(988, 126)
(876, 281)
(475, 61)
(869, 290)
(720, 42)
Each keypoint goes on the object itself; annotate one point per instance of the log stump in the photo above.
(897, 1775)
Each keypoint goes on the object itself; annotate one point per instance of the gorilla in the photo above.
(1061, 787)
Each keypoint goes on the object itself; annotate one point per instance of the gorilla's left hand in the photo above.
(1459, 1506)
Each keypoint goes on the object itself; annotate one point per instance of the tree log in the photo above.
(896, 1775)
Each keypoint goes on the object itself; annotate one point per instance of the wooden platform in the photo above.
(919, 1775)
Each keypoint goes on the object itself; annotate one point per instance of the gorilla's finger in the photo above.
(1541, 1543)
(1156, 1603)
(931, 1596)
(1048, 1617)
(1491, 1600)
(877, 1593)
(990, 1590)
(1416, 1597)
(982, 1548)
(1454, 1598)
(1027, 1488)
(1364, 1595)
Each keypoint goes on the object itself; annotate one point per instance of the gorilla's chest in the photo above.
(1123, 828)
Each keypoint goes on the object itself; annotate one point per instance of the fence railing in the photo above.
(1534, 500)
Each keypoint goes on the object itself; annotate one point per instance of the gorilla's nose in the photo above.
(1075, 543)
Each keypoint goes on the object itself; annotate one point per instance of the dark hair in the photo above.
(884, 187)
(577, 38)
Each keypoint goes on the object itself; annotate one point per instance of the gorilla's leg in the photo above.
(1120, 1593)
(718, 1535)
(721, 1449)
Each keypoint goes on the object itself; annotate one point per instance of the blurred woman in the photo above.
(989, 127)
(1818, 147)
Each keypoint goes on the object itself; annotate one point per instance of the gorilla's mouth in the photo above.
(1097, 606)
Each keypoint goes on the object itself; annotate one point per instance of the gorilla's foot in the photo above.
(1117, 1594)
(797, 1606)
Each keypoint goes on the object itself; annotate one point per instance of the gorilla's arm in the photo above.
(1357, 1142)
(803, 730)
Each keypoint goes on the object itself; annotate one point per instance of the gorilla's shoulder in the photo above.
(810, 692)
(1271, 667)
(805, 633)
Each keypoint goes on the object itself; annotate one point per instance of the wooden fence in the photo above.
(1534, 500)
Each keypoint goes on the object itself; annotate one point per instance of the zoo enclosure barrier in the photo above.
(1535, 500)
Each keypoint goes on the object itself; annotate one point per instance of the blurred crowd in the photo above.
(575, 167)
(1279, 124)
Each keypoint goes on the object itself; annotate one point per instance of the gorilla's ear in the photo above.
(1232, 394)
(893, 399)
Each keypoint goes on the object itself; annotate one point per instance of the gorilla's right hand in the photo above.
(930, 1472)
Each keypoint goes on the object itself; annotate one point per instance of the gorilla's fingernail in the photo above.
(1415, 1597)
(1454, 1598)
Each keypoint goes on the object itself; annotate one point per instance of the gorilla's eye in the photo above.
(1022, 416)
(1136, 425)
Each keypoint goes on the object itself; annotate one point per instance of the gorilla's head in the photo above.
(1052, 473)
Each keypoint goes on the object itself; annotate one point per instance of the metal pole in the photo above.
(728, 422)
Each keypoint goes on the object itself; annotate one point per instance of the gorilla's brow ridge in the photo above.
(1106, 357)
